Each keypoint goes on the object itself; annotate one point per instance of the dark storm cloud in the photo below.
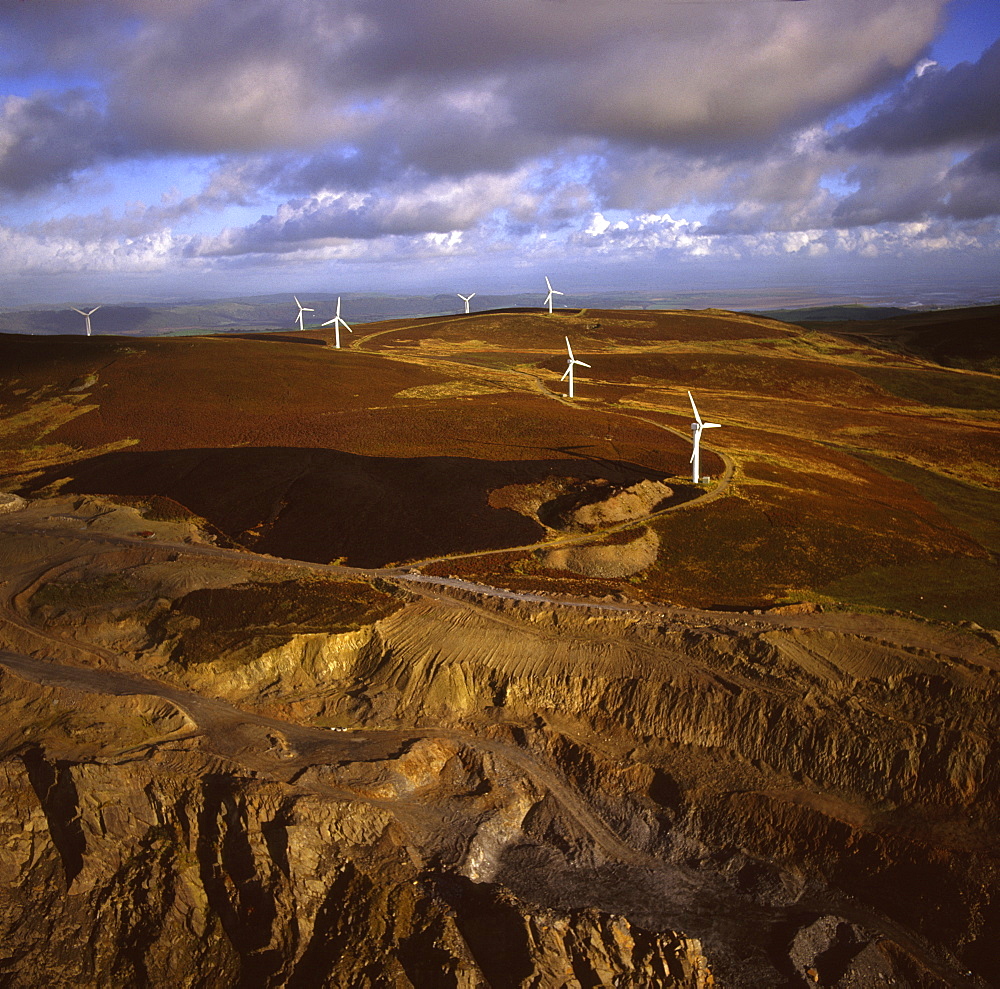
(453, 87)
(975, 185)
(920, 187)
(47, 139)
(954, 106)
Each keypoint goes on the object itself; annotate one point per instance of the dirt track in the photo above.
(945, 639)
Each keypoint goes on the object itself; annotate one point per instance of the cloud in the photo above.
(937, 107)
(226, 186)
(922, 186)
(52, 254)
(439, 208)
(452, 89)
(48, 139)
(372, 131)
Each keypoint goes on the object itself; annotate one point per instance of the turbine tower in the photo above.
(552, 292)
(337, 323)
(568, 373)
(466, 299)
(697, 427)
(302, 309)
(86, 315)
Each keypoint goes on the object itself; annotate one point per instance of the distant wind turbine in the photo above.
(552, 292)
(697, 427)
(302, 309)
(569, 367)
(466, 299)
(338, 323)
(86, 315)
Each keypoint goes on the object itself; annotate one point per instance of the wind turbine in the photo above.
(569, 367)
(337, 323)
(302, 309)
(86, 315)
(552, 292)
(696, 430)
(466, 299)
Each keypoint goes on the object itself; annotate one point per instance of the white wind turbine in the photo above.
(697, 428)
(86, 315)
(466, 299)
(552, 292)
(568, 373)
(338, 323)
(302, 309)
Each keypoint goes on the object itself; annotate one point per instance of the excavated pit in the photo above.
(462, 788)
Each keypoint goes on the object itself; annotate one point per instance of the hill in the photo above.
(833, 314)
(391, 665)
(855, 466)
(962, 338)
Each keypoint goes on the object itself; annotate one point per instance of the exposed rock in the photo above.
(82, 383)
(10, 502)
(518, 792)
(621, 506)
(610, 559)
(796, 608)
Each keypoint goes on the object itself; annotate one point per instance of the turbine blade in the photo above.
(80, 311)
(569, 348)
(694, 408)
(344, 324)
(711, 425)
(581, 363)
(554, 292)
(329, 321)
(296, 298)
(566, 373)
(92, 311)
(472, 296)
(548, 284)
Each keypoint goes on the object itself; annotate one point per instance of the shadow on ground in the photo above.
(321, 505)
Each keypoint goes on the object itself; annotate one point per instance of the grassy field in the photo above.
(862, 473)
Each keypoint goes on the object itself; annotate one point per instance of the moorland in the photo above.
(300, 642)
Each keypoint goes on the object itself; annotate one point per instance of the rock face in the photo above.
(161, 863)
(453, 787)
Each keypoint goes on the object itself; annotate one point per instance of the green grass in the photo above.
(950, 590)
(213, 622)
(941, 389)
(974, 509)
(90, 593)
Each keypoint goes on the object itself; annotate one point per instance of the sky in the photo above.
(184, 149)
